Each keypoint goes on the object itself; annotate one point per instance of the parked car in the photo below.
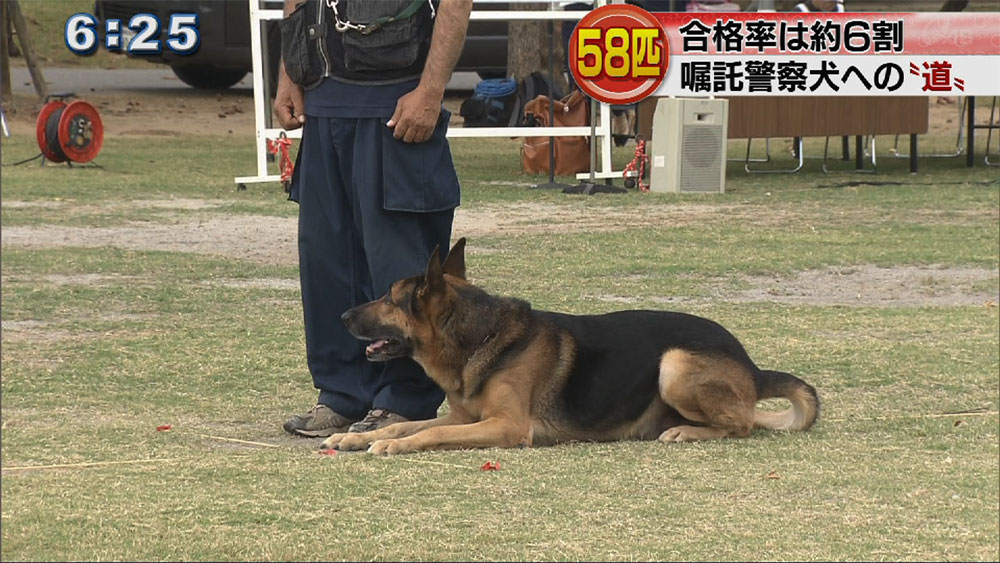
(223, 58)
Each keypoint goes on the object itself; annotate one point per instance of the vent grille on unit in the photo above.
(700, 159)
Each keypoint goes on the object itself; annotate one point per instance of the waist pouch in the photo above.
(303, 36)
(392, 36)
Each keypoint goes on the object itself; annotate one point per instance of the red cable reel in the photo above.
(69, 132)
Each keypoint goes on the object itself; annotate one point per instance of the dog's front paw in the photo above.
(678, 434)
(389, 447)
(346, 442)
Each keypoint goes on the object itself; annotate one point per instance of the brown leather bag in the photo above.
(572, 153)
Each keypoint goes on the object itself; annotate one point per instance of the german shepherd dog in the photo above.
(515, 376)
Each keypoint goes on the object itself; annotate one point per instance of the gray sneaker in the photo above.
(377, 418)
(319, 422)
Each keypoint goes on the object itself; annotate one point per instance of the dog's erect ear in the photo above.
(434, 278)
(454, 264)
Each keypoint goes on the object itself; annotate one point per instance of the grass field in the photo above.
(131, 298)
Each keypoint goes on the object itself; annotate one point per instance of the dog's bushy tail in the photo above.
(778, 384)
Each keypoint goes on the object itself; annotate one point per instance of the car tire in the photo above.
(208, 77)
(488, 74)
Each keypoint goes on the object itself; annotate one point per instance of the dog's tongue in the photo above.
(375, 345)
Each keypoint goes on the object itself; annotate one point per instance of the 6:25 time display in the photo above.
(139, 37)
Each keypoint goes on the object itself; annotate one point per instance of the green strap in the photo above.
(406, 12)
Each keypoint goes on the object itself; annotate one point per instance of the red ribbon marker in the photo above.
(163, 427)
(638, 165)
(491, 466)
(281, 146)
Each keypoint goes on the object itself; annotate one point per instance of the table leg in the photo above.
(970, 133)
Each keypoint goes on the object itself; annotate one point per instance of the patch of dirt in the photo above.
(259, 283)
(91, 280)
(538, 218)
(18, 326)
(140, 114)
(867, 286)
(272, 240)
(265, 239)
(181, 203)
(41, 331)
(855, 286)
(17, 204)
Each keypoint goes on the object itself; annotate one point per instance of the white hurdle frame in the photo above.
(602, 131)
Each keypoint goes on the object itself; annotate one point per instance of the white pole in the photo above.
(259, 99)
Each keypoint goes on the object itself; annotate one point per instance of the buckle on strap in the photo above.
(343, 26)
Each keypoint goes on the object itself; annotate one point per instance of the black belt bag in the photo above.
(303, 44)
(380, 35)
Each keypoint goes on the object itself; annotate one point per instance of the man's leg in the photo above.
(333, 272)
(404, 388)
(398, 243)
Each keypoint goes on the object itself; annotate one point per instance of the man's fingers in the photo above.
(411, 135)
(298, 106)
(420, 134)
(396, 114)
(398, 130)
(284, 114)
(291, 122)
(409, 124)
(287, 117)
(289, 103)
(414, 133)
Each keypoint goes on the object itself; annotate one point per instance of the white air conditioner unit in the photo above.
(688, 152)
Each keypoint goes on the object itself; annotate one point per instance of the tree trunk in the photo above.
(528, 47)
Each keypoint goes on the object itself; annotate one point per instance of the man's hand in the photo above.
(289, 103)
(416, 116)
(417, 113)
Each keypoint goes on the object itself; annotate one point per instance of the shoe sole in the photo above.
(321, 433)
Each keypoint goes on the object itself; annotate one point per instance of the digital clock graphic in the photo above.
(140, 35)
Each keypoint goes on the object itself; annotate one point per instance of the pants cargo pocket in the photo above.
(419, 177)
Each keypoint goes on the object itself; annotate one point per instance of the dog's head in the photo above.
(403, 322)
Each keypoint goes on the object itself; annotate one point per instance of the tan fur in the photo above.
(800, 416)
(718, 392)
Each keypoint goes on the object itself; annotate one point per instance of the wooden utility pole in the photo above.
(13, 9)
(5, 89)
